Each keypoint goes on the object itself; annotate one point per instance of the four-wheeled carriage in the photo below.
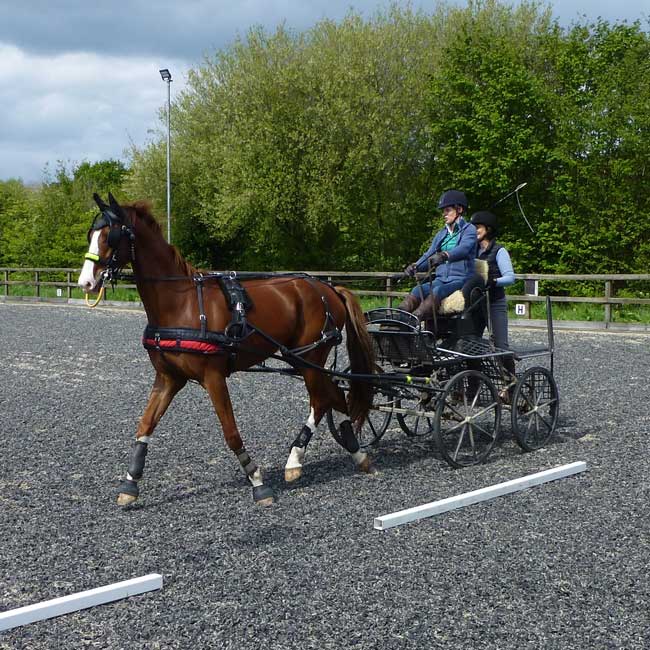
(453, 385)
(219, 323)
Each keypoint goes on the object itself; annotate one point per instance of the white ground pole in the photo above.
(484, 494)
(82, 600)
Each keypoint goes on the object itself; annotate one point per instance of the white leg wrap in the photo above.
(358, 457)
(256, 478)
(296, 458)
(311, 421)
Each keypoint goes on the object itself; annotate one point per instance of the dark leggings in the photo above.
(499, 317)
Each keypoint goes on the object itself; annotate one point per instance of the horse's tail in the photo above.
(360, 352)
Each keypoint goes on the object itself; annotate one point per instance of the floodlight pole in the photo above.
(167, 77)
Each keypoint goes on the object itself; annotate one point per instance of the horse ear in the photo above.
(115, 206)
(98, 200)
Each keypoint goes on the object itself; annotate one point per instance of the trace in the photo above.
(82, 600)
(468, 498)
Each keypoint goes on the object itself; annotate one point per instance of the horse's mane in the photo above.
(143, 210)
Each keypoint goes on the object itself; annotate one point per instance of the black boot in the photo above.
(428, 306)
(409, 303)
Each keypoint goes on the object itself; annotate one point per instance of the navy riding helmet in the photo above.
(452, 197)
(487, 219)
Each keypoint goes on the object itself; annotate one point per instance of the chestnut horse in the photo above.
(296, 314)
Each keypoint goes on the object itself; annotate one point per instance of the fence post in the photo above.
(389, 286)
(6, 281)
(68, 282)
(608, 307)
(37, 278)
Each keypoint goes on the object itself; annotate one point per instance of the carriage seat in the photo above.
(455, 303)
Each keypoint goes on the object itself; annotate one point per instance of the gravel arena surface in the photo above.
(562, 565)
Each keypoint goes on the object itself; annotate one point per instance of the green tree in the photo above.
(16, 223)
(491, 116)
(64, 209)
(304, 150)
(599, 204)
(328, 148)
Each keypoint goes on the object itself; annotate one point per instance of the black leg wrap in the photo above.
(261, 492)
(347, 438)
(129, 487)
(136, 466)
(245, 461)
(303, 437)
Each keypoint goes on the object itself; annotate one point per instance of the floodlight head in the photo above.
(165, 74)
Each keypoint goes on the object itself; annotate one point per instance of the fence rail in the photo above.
(66, 285)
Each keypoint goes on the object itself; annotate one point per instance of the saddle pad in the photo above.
(452, 304)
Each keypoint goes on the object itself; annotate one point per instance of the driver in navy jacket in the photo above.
(452, 252)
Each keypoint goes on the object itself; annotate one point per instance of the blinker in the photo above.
(108, 218)
(114, 236)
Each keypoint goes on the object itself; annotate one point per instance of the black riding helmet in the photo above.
(487, 219)
(452, 197)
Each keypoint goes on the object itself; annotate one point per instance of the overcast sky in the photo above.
(79, 79)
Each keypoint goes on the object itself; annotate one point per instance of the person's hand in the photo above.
(411, 269)
(491, 283)
(437, 259)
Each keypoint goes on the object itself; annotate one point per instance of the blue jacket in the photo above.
(460, 264)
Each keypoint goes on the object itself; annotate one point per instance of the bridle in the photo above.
(112, 216)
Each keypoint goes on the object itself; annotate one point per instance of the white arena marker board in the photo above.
(484, 494)
(82, 600)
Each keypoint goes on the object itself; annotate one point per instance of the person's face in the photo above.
(481, 231)
(450, 214)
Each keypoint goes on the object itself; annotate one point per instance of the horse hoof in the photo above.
(125, 499)
(366, 466)
(292, 474)
(263, 495)
(128, 492)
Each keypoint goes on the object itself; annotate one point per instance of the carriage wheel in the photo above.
(376, 424)
(534, 408)
(468, 415)
(417, 426)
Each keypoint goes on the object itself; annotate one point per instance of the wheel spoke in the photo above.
(548, 425)
(487, 433)
(460, 440)
(550, 402)
(490, 407)
(470, 428)
(455, 427)
(530, 421)
(460, 416)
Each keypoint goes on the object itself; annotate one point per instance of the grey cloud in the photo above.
(190, 29)
(187, 30)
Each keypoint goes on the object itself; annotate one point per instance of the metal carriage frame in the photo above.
(455, 390)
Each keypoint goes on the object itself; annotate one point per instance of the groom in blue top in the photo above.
(452, 252)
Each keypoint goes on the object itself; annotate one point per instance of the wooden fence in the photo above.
(64, 282)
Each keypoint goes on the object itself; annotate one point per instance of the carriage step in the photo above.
(530, 353)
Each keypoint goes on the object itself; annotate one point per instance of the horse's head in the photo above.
(110, 239)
